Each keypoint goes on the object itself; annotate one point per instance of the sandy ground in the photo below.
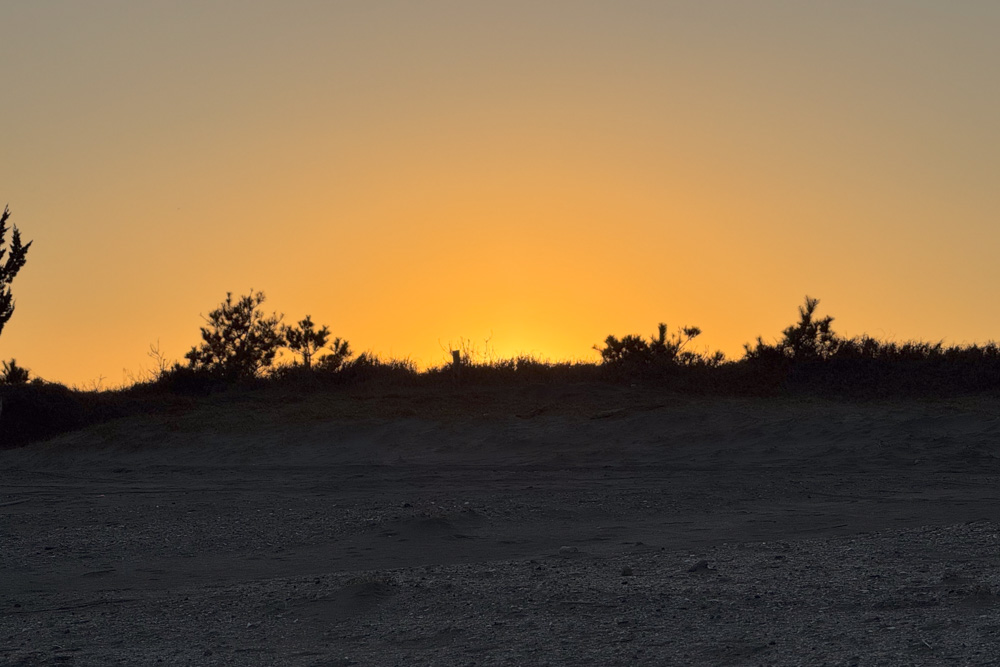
(558, 526)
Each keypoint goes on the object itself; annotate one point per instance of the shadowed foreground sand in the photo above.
(558, 526)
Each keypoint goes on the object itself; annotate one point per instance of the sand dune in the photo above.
(555, 525)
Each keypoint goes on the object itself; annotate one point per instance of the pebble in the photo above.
(700, 566)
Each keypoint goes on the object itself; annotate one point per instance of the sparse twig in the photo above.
(156, 354)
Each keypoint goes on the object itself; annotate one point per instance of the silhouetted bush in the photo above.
(769, 369)
(340, 353)
(632, 357)
(239, 341)
(807, 340)
(306, 341)
(188, 381)
(811, 358)
(368, 367)
(867, 367)
(11, 373)
(38, 410)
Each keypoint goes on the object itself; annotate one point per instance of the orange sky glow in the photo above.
(541, 174)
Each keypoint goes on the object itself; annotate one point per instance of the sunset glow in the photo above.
(537, 174)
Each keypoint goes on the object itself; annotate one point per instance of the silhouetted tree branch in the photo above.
(16, 256)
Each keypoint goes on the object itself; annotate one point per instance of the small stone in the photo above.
(567, 551)
(700, 566)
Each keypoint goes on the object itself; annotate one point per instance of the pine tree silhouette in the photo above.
(16, 255)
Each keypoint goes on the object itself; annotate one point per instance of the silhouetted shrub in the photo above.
(811, 358)
(866, 367)
(340, 353)
(633, 357)
(306, 341)
(189, 381)
(13, 374)
(38, 410)
(368, 367)
(239, 341)
(807, 340)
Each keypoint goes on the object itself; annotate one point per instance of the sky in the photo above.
(538, 174)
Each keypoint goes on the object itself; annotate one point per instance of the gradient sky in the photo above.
(548, 173)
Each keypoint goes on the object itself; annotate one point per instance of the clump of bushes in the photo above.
(240, 344)
(635, 357)
(805, 341)
(36, 410)
(811, 357)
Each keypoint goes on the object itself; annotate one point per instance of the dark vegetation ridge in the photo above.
(240, 344)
